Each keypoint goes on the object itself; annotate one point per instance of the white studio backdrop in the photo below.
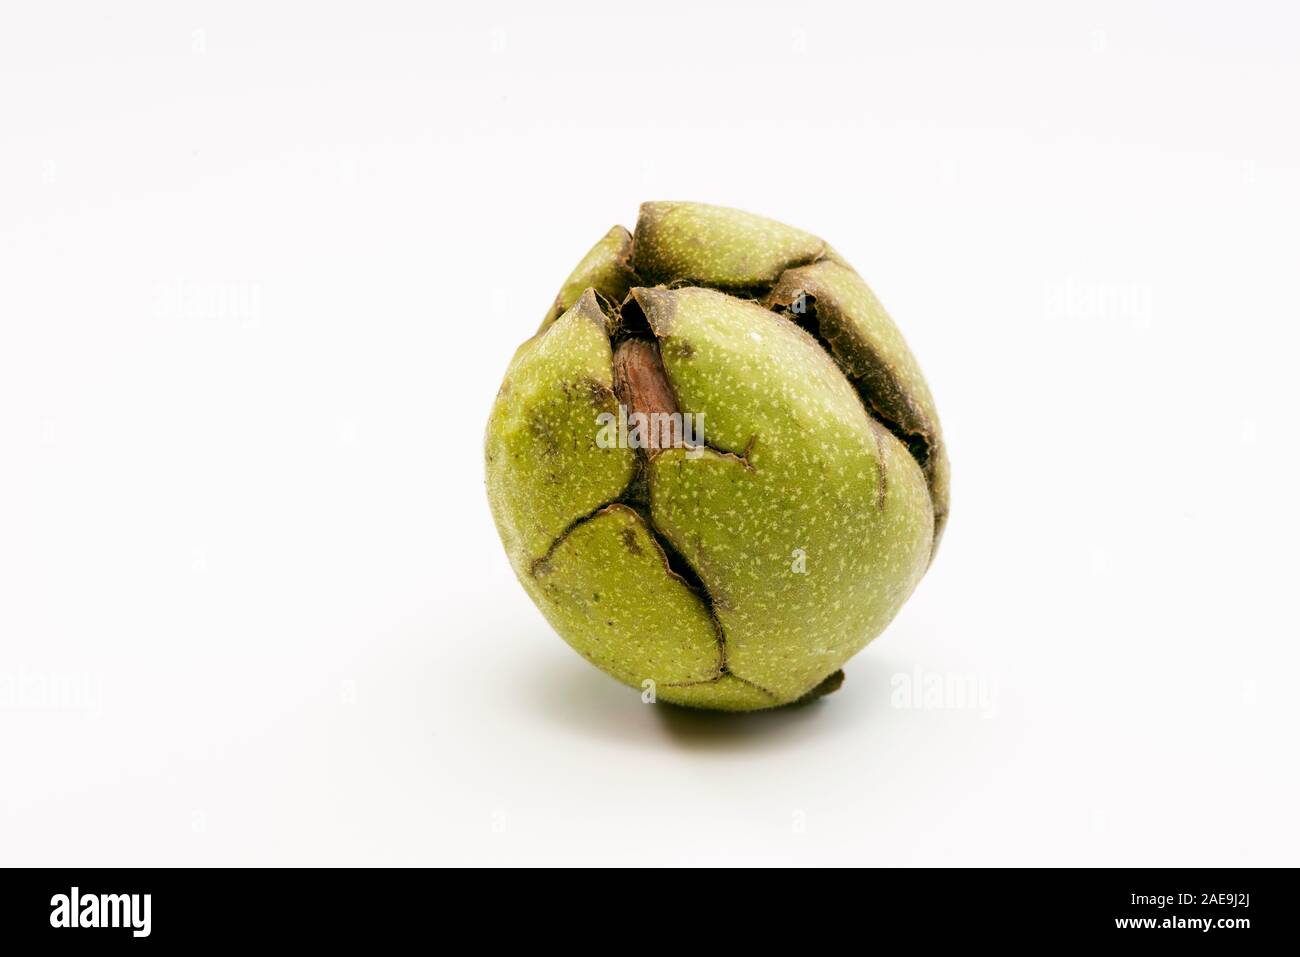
(262, 267)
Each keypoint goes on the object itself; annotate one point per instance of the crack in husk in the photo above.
(675, 564)
(918, 444)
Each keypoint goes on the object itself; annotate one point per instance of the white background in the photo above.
(262, 268)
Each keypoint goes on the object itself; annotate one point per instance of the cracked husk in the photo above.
(738, 566)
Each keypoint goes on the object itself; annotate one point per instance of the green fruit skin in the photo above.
(741, 576)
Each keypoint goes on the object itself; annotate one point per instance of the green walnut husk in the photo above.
(739, 566)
